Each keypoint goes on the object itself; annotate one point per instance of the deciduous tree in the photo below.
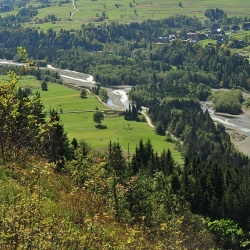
(98, 117)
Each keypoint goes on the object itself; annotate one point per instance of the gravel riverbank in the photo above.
(237, 126)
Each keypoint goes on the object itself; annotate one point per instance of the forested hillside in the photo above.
(57, 194)
(61, 194)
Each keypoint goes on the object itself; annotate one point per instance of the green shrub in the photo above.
(228, 101)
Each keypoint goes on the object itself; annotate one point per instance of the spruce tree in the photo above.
(57, 145)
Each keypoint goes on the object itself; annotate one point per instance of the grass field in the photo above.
(127, 133)
(91, 10)
(77, 117)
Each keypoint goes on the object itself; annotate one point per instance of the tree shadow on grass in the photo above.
(99, 126)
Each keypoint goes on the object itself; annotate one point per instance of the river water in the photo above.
(118, 95)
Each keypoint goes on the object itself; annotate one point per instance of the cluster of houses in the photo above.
(219, 30)
(5, 7)
(216, 32)
(191, 36)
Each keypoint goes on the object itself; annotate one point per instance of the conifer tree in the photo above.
(57, 143)
(116, 160)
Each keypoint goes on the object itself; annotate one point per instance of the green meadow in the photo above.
(77, 116)
(127, 133)
(128, 11)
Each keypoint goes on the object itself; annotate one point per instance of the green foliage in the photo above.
(247, 103)
(28, 91)
(49, 202)
(98, 117)
(217, 190)
(56, 142)
(184, 118)
(44, 86)
(159, 129)
(126, 58)
(117, 162)
(200, 91)
(87, 167)
(26, 220)
(40, 74)
(214, 14)
(21, 117)
(103, 201)
(131, 114)
(102, 93)
(142, 118)
(82, 128)
(228, 102)
(83, 93)
(227, 233)
(28, 12)
(92, 201)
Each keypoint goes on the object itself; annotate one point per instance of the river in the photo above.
(237, 126)
(118, 94)
(237, 122)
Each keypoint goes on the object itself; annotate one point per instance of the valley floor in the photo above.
(237, 126)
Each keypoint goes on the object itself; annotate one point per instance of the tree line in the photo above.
(170, 80)
(129, 55)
